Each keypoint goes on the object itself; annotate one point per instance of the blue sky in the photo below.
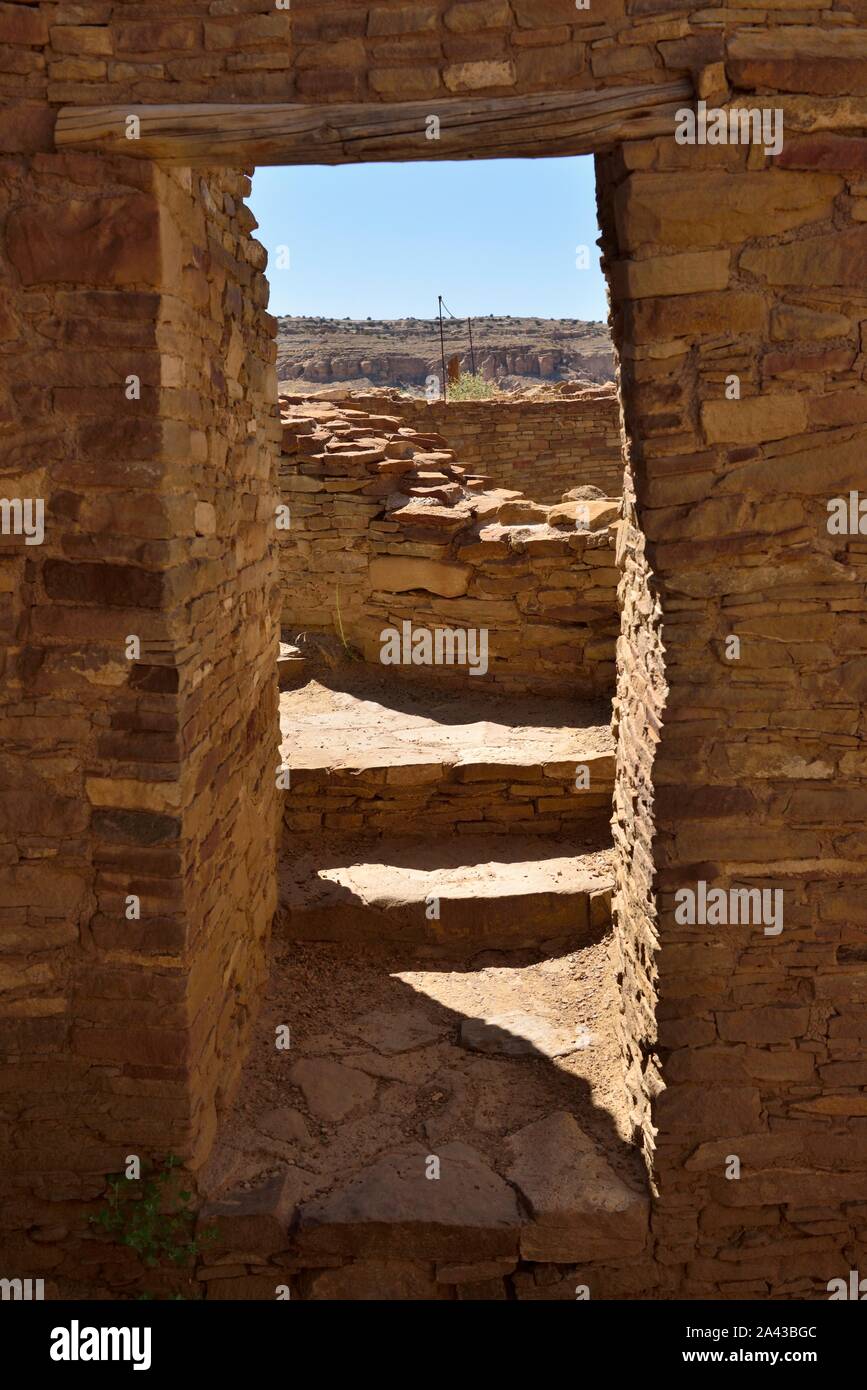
(383, 240)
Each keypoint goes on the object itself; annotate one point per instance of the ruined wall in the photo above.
(546, 602)
(747, 772)
(541, 449)
(132, 328)
(324, 551)
(384, 533)
(333, 50)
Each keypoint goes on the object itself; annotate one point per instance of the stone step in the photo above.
(482, 892)
(558, 1200)
(550, 1196)
(362, 765)
(291, 666)
(423, 797)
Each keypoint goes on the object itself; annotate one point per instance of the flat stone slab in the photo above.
(580, 1209)
(332, 1090)
(252, 1219)
(521, 1035)
(397, 1032)
(335, 729)
(283, 1122)
(392, 1207)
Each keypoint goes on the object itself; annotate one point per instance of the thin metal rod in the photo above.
(442, 347)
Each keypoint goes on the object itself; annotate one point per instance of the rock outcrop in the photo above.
(406, 352)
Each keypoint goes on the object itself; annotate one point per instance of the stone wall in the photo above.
(174, 51)
(740, 761)
(380, 538)
(547, 603)
(331, 50)
(139, 715)
(539, 448)
(443, 798)
(98, 52)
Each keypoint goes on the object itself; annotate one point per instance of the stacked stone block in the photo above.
(539, 448)
(739, 319)
(246, 50)
(446, 799)
(380, 538)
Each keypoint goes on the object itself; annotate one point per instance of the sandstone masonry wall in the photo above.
(70, 333)
(742, 768)
(441, 799)
(358, 560)
(230, 639)
(539, 448)
(124, 1033)
(331, 50)
(323, 51)
(547, 605)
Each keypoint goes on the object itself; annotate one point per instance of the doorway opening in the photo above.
(443, 965)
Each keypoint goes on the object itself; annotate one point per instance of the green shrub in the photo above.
(134, 1215)
(471, 388)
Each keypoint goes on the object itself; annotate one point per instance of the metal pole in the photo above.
(442, 347)
(472, 351)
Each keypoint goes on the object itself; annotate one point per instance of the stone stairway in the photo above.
(450, 1120)
(410, 819)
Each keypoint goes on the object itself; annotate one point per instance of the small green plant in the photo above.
(134, 1214)
(471, 388)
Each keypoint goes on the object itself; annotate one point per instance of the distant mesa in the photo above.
(511, 353)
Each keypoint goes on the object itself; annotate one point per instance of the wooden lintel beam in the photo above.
(469, 128)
